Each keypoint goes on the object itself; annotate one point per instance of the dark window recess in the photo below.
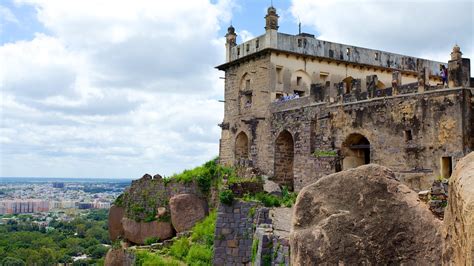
(257, 44)
(348, 51)
(300, 93)
(300, 42)
(408, 135)
(247, 47)
(238, 51)
(298, 81)
(376, 56)
(331, 53)
(446, 167)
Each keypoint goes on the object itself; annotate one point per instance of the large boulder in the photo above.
(137, 232)
(116, 215)
(363, 216)
(459, 215)
(119, 257)
(186, 210)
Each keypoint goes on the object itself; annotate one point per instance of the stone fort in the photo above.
(298, 108)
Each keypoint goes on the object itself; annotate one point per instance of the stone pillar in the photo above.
(317, 91)
(231, 41)
(396, 81)
(459, 69)
(423, 79)
(371, 82)
(356, 89)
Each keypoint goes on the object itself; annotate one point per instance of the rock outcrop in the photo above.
(137, 232)
(459, 215)
(119, 257)
(115, 222)
(186, 210)
(363, 216)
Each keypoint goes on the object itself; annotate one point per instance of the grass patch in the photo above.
(151, 240)
(145, 258)
(254, 249)
(269, 200)
(324, 153)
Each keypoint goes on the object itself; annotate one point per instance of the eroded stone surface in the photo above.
(137, 232)
(186, 210)
(115, 222)
(360, 216)
(459, 215)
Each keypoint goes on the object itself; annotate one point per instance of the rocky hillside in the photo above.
(158, 208)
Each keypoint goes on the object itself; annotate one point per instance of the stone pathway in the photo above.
(281, 219)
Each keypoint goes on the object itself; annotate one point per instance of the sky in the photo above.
(113, 88)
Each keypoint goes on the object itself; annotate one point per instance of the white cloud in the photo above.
(6, 16)
(116, 88)
(245, 35)
(417, 28)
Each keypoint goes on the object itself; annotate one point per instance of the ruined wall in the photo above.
(407, 133)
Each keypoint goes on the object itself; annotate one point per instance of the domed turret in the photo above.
(456, 53)
(231, 36)
(271, 19)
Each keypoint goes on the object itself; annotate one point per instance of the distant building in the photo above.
(58, 184)
(23, 206)
(85, 205)
(101, 205)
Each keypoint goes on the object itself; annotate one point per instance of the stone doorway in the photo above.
(355, 151)
(284, 156)
(241, 149)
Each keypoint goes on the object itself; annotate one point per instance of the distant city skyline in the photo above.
(117, 89)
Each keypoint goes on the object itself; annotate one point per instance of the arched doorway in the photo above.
(284, 154)
(355, 151)
(241, 148)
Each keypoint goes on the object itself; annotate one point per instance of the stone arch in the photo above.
(241, 149)
(300, 82)
(355, 151)
(347, 84)
(284, 157)
(245, 82)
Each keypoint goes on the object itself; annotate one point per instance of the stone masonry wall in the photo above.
(233, 235)
(247, 119)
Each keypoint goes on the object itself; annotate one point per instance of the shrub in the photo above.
(203, 231)
(204, 182)
(151, 240)
(199, 255)
(180, 248)
(289, 198)
(226, 197)
(119, 200)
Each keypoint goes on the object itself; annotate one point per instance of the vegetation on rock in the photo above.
(193, 250)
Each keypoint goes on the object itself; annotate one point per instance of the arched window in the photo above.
(284, 155)
(241, 148)
(300, 82)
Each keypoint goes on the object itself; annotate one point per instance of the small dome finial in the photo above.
(271, 19)
(456, 53)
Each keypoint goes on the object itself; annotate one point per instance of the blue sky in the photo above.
(121, 88)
